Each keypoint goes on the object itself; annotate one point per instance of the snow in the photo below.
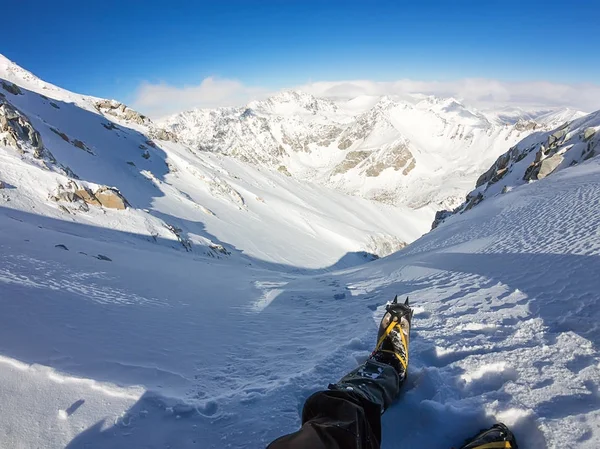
(452, 143)
(162, 347)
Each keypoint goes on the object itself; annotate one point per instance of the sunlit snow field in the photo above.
(160, 348)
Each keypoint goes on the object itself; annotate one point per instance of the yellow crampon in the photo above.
(387, 332)
(495, 445)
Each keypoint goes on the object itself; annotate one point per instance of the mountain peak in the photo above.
(289, 102)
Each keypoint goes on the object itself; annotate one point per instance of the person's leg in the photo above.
(335, 419)
(348, 415)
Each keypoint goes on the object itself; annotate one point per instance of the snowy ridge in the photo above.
(199, 202)
(535, 157)
(353, 144)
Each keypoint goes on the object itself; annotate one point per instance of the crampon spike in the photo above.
(405, 302)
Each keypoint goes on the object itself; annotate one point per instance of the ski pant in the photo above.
(348, 415)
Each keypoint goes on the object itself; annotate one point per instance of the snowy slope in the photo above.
(160, 349)
(54, 144)
(535, 157)
(413, 150)
(205, 311)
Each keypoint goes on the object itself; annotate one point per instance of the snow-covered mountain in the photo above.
(414, 150)
(94, 161)
(148, 347)
(154, 295)
(539, 155)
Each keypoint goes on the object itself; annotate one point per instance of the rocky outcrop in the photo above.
(397, 157)
(116, 109)
(533, 159)
(526, 125)
(283, 169)
(472, 200)
(162, 134)
(353, 158)
(17, 131)
(11, 88)
(108, 197)
(75, 142)
(111, 198)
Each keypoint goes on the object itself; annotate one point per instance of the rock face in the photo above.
(104, 196)
(11, 88)
(114, 108)
(17, 131)
(162, 134)
(111, 198)
(534, 158)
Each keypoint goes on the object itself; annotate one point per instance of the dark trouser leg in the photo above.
(348, 415)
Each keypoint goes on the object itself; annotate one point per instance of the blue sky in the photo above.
(109, 48)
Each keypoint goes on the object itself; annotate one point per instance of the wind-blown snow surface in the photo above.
(159, 348)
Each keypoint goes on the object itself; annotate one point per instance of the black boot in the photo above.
(496, 437)
(394, 336)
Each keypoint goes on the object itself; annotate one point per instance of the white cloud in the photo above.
(158, 100)
(476, 92)
(161, 99)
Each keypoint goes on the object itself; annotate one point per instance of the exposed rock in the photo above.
(146, 154)
(54, 105)
(526, 125)
(548, 165)
(18, 131)
(345, 144)
(11, 88)
(557, 137)
(103, 257)
(87, 196)
(104, 196)
(163, 134)
(61, 246)
(69, 197)
(283, 169)
(221, 188)
(117, 109)
(472, 201)
(62, 135)
(187, 244)
(588, 134)
(131, 163)
(111, 198)
(410, 167)
(496, 171)
(79, 144)
(2, 185)
(396, 157)
(219, 248)
(440, 216)
(353, 158)
(110, 126)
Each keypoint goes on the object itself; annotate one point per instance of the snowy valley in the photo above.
(188, 282)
